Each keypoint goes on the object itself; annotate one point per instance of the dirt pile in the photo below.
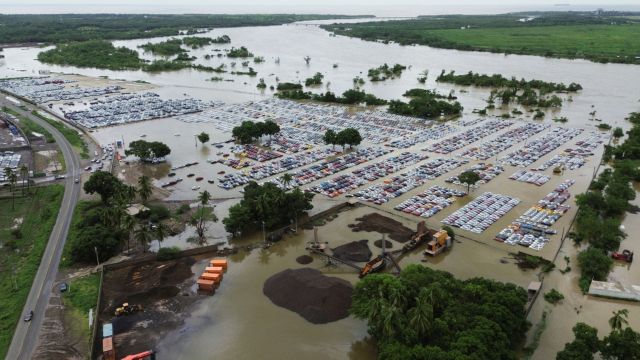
(317, 298)
(304, 259)
(357, 251)
(383, 225)
(387, 244)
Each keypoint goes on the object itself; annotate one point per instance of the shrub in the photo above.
(553, 296)
(168, 253)
(184, 208)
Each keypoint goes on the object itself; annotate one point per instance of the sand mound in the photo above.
(317, 298)
(304, 259)
(357, 251)
(383, 225)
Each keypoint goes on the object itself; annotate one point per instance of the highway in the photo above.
(25, 337)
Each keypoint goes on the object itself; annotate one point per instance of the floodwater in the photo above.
(239, 322)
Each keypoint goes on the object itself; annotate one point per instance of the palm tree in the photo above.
(13, 178)
(286, 180)
(130, 194)
(24, 172)
(204, 197)
(421, 315)
(162, 231)
(199, 220)
(144, 188)
(143, 236)
(619, 319)
(128, 223)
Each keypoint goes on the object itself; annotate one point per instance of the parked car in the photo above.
(63, 287)
(28, 316)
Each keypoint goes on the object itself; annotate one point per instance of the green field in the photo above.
(610, 37)
(20, 255)
(81, 296)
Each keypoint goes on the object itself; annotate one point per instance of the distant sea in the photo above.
(374, 9)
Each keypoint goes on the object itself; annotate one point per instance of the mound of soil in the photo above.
(317, 298)
(383, 225)
(304, 259)
(387, 244)
(357, 251)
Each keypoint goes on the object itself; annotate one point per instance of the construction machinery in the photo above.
(127, 309)
(146, 355)
(439, 242)
(625, 255)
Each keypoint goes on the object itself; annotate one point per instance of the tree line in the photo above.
(249, 131)
(429, 314)
(148, 150)
(425, 104)
(602, 207)
(348, 136)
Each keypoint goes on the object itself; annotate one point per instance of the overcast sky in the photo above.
(376, 7)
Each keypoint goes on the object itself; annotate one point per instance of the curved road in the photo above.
(25, 337)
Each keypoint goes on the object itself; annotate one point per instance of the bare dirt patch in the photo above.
(384, 225)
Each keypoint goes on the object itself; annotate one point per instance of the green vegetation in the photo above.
(261, 84)
(249, 131)
(29, 127)
(241, 52)
(428, 314)
(618, 132)
(384, 72)
(350, 97)
(80, 27)
(553, 296)
(287, 86)
(81, 296)
(165, 48)
(268, 205)
(168, 253)
(602, 207)
(314, 80)
(72, 136)
(93, 53)
(24, 233)
(600, 37)
(348, 136)
(196, 42)
(562, 119)
(469, 178)
(603, 126)
(424, 104)
(203, 137)
(251, 72)
(146, 150)
(498, 81)
(622, 343)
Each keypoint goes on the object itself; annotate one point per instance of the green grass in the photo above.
(29, 127)
(610, 38)
(72, 136)
(39, 212)
(83, 294)
(581, 41)
(81, 208)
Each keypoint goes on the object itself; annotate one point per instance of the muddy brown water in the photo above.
(239, 322)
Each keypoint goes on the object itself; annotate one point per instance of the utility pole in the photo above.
(264, 234)
(97, 258)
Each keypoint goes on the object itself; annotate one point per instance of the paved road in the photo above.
(25, 337)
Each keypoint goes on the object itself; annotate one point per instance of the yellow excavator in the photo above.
(127, 309)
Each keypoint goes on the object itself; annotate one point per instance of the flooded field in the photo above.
(239, 314)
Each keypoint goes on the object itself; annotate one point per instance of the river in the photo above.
(239, 322)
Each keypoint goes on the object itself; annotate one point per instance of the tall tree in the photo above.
(204, 197)
(13, 179)
(161, 232)
(469, 178)
(128, 224)
(143, 236)
(203, 137)
(619, 319)
(103, 183)
(144, 188)
(24, 173)
(286, 179)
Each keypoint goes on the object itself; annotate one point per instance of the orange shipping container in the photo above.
(213, 277)
(214, 269)
(107, 344)
(219, 262)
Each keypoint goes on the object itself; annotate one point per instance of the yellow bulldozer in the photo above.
(128, 309)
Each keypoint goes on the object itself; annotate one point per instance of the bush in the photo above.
(17, 233)
(184, 208)
(449, 231)
(553, 296)
(157, 213)
(90, 238)
(168, 253)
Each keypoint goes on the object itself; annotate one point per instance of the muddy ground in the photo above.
(163, 288)
(384, 225)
